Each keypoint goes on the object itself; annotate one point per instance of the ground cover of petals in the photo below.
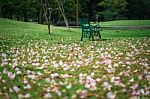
(100, 69)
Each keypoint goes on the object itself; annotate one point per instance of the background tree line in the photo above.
(57, 11)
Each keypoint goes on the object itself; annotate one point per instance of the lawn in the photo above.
(126, 23)
(37, 65)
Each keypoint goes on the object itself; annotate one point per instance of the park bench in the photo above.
(88, 30)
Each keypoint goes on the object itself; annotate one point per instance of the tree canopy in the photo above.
(94, 10)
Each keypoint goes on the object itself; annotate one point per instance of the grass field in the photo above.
(126, 23)
(37, 65)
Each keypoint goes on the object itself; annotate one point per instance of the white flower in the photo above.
(55, 65)
(25, 81)
(27, 95)
(116, 65)
(5, 71)
(16, 89)
(148, 77)
(31, 76)
(39, 73)
(131, 80)
(83, 94)
(4, 55)
(18, 72)
(41, 67)
(58, 92)
(20, 96)
(60, 62)
(65, 75)
(35, 64)
(28, 86)
(128, 63)
(107, 85)
(46, 61)
(90, 83)
(10, 90)
(66, 68)
(111, 95)
(28, 71)
(48, 95)
(48, 80)
(142, 91)
(69, 86)
(147, 92)
(92, 74)
(140, 77)
(107, 61)
(55, 75)
(98, 79)
(135, 86)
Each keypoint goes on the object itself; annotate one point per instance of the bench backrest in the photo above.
(84, 22)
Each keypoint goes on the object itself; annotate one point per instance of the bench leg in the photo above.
(81, 38)
(99, 35)
(92, 36)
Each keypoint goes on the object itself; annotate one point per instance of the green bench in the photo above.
(88, 30)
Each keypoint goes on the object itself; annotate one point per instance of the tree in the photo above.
(77, 12)
(51, 11)
(47, 10)
(61, 7)
(138, 9)
(113, 9)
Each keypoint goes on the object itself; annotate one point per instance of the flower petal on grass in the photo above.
(111, 95)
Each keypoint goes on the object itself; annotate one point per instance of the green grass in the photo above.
(126, 23)
(16, 33)
(60, 66)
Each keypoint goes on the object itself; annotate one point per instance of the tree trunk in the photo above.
(40, 13)
(77, 13)
(11, 16)
(49, 28)
(60, 5)
(40, 16)
(0, 11)
(46, 19)
(25, 15)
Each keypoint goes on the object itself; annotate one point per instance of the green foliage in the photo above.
(114, 9)
(138, 9)
(94, 10)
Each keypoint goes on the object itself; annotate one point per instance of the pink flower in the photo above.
(107, 85)
(107, 61)
(83, 94)
(11, 75)
(134, 87)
